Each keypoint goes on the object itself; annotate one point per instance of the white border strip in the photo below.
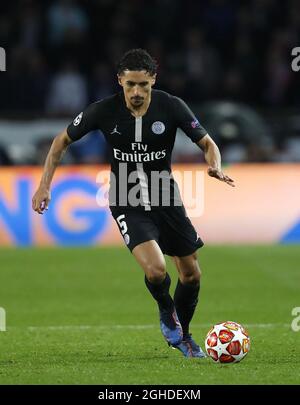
(135, 327)
(139, 167)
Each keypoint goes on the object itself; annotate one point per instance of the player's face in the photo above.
(137, 86)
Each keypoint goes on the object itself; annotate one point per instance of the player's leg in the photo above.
(151, 259)
(186, 299)
(181, 241)
(187, 290)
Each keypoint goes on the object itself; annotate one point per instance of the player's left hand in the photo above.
(218, 174)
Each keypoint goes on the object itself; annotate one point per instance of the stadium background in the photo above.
(231, 61)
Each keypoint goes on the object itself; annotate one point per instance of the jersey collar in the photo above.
(127, 111)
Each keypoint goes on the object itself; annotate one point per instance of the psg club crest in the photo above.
(158, 127)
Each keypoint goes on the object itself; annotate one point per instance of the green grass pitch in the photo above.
(84, 316)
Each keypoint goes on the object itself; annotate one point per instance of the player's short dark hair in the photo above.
(137, 59)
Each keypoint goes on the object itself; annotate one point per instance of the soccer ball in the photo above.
(227, 342)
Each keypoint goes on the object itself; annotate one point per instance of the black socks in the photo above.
(160, 292)
(185, 300)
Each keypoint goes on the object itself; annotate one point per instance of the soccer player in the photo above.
(139, 125)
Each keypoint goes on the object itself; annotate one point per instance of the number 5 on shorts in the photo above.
(122, 224)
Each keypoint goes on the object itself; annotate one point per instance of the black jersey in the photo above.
(140, 148)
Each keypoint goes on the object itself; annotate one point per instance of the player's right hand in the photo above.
(41, 199)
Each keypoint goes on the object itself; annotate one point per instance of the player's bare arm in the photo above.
(42, 196)
(213, 159)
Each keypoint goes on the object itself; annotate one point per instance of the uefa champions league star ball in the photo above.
(227, 342)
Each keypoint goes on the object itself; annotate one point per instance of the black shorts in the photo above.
(170, 227)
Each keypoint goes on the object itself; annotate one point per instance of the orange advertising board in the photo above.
(264, 207)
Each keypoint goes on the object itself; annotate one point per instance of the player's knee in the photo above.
(192, 277)
(155, 272)
(196, 276)
(192, 273)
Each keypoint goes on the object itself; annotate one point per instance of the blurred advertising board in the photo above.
(264, 207)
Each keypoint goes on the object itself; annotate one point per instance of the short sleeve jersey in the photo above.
(140, 148)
